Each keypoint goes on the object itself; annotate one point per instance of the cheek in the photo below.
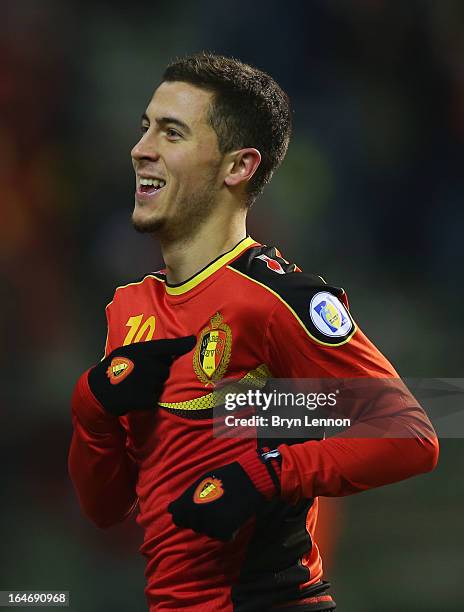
(188, 169)
(181, 164)
(208, 154)
(208, 163)
(193, 165)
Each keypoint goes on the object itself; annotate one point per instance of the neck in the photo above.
(186, 256)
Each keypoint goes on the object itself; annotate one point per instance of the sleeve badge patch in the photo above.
(329, 315)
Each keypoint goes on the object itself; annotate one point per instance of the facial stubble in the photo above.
(191, 213)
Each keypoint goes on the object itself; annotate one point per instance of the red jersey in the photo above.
(252, 314)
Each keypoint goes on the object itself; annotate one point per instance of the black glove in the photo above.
(224, 498)
(132, 377)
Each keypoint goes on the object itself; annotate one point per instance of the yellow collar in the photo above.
(210, 269)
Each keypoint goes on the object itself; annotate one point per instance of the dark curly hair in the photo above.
(249, 109)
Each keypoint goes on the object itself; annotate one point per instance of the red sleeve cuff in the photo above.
(259, 473)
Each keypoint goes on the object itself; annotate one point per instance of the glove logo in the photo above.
(119, 369)
(212, 353)
(208, 490)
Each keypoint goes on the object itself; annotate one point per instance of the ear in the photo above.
(242, 166)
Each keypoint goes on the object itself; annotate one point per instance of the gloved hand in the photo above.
(132, 377)
(224, 498)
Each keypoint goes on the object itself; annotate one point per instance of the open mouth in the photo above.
(150, 186)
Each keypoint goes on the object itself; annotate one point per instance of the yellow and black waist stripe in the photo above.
(203, 407)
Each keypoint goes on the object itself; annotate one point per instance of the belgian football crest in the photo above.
(212, 353)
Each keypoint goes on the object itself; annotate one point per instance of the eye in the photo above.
(144, 128)
(172, 134)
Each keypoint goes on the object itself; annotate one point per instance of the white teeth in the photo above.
(153, 182)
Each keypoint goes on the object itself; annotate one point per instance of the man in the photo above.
(228, 520)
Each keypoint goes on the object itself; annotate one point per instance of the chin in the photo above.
(146, 224)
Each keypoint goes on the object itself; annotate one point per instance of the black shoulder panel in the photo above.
(161, 275)
(314, 303)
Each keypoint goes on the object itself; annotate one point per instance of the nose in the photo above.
(145, 149)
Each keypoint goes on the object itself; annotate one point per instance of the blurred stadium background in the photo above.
(370, 196)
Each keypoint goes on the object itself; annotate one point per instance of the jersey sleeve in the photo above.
(311, 334)
(101, 470)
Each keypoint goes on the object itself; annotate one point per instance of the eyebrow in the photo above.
(171, 120)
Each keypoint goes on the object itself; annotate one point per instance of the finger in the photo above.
(175, 346)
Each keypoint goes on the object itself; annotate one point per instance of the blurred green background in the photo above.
(370, 196)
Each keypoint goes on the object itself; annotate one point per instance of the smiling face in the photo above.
(177, 163)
